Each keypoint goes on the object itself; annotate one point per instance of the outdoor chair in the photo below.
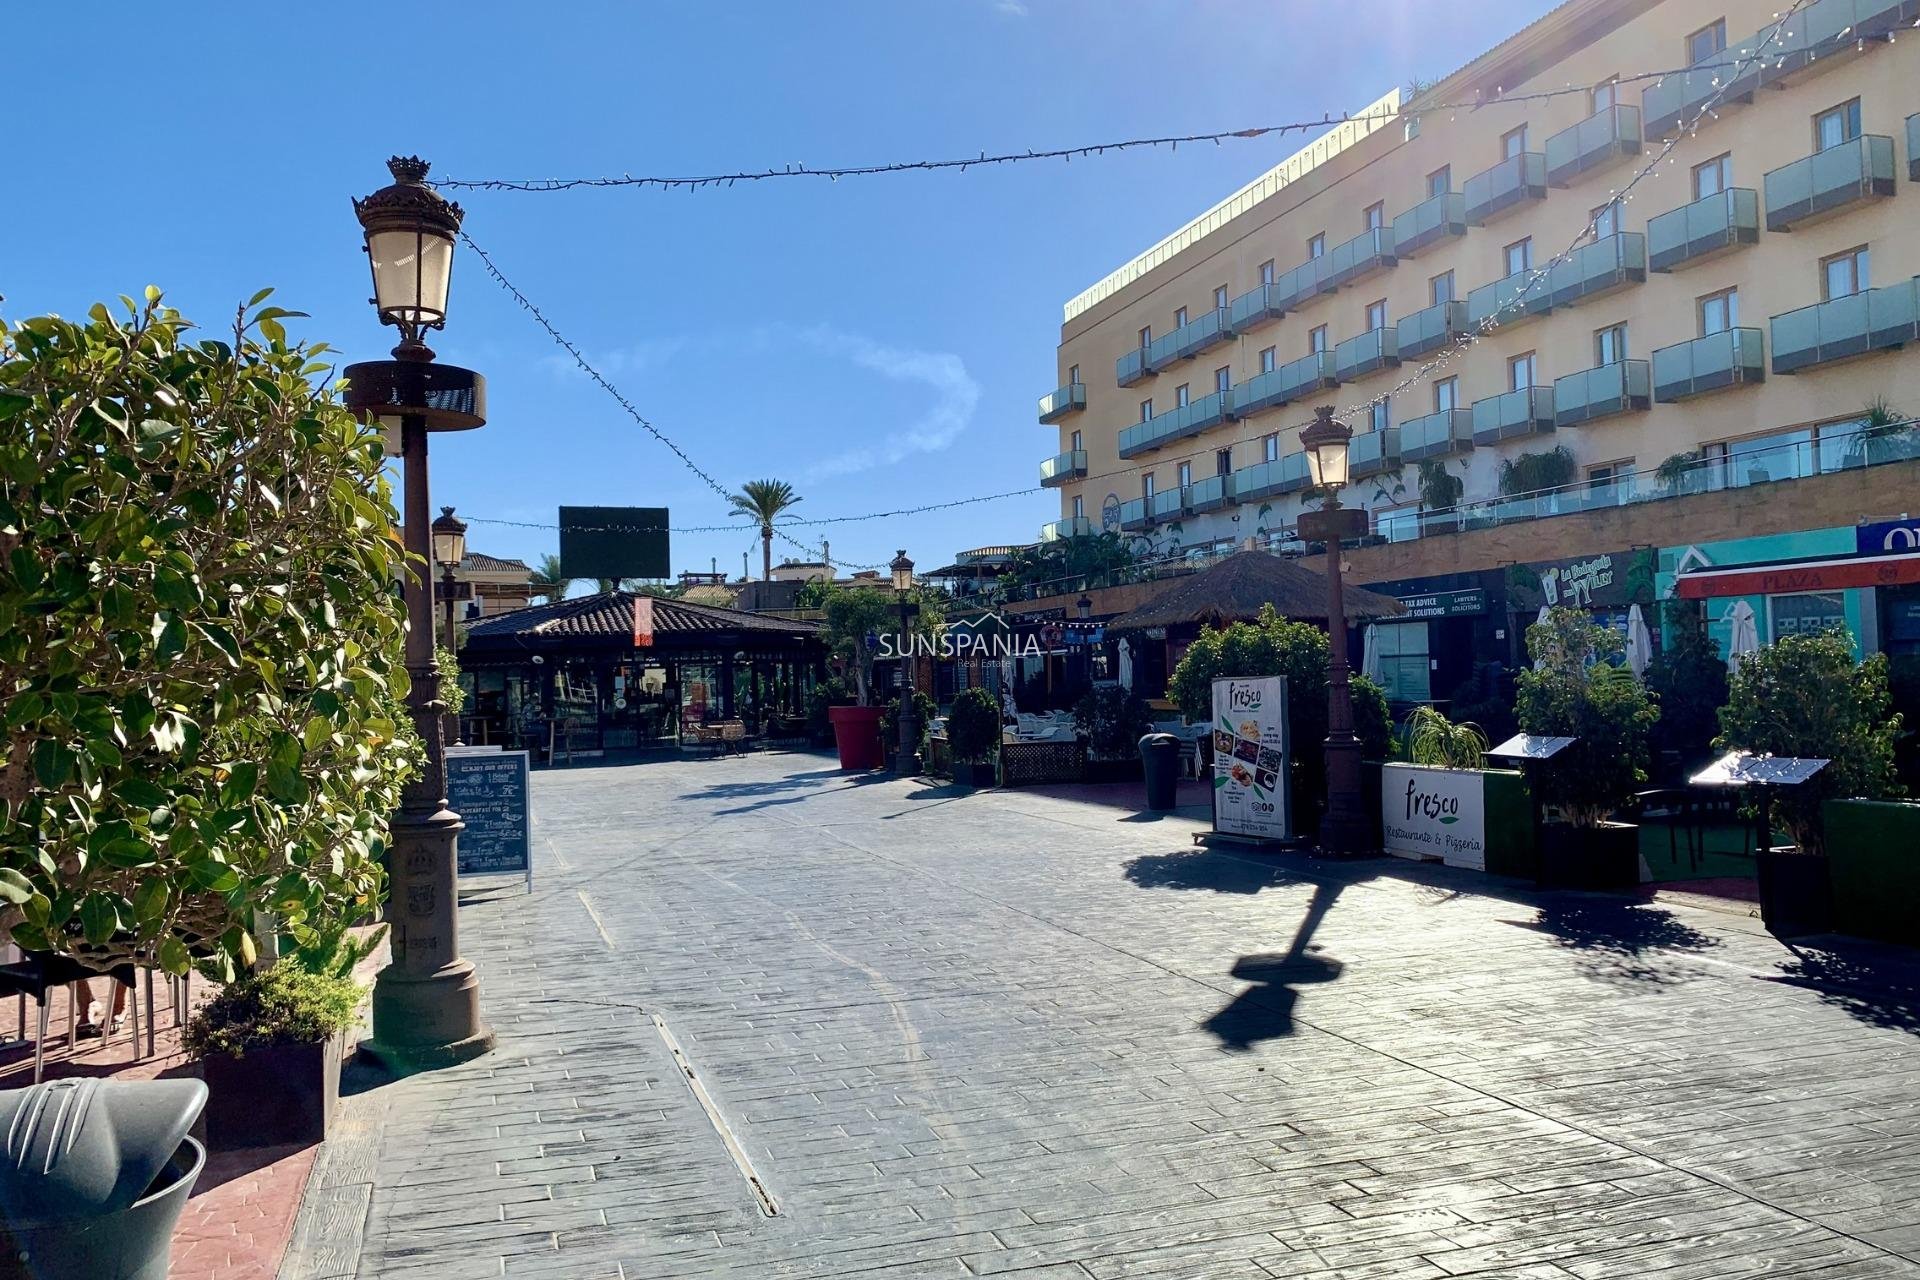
(39, 973)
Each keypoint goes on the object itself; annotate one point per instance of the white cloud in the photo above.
(639, 357)
(1010, 8)
(955, 396)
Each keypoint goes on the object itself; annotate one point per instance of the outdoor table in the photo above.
(1762, 773)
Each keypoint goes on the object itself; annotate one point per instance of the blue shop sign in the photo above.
(1882, 536)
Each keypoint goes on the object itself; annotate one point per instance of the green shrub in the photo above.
(973, 726)
(830, 692)
(1577, 691)
(1804, 695)
(923, 704)
(1113, 719)
(1432, 739)
(284, 1005)
(452, 694)
(1688, 678)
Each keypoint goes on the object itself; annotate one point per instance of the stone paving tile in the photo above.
(1002, 1035)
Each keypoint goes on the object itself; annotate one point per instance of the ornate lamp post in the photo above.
(1084, 607)
(907, 761)
(426, 1003)
(449, 549)
(1343, 827)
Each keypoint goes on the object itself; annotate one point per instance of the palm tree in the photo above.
(762, 501)
(549, 583)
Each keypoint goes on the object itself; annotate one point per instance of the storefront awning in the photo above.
(1833, 574)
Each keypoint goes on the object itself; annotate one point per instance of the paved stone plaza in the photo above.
(1008, 1034)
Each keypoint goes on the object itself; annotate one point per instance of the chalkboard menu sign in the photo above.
(488, 789)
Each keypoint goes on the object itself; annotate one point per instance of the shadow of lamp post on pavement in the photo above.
(1264, 1011)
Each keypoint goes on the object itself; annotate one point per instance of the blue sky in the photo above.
(879, 341)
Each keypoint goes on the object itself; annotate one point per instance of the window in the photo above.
(1440, 181)
(1182, 395)
(1219, 297)
(1440, 289)
(1405, 672)
(1379, 416)
(1610, 344)
(1073, 375)
(1522, 371)
(1376, 315)
(1519, 256)
(1707, 42)
(1076, 441)
(1317, 245)
(1270, 448)
(1375, 216)
(1316, 339)
(1446, 394)
(1719, 312)
(1079, 507)
(1711, 177)
(1180, 318)
(1146, 337)
(1514, 143)
(1146, 486)
(1184, 474)
(1844, 274)
(1266, 272)
(1839, 125)
(1805, 613)
(1268, 359)
(1605, 95)
(1223, 377)
(1222, 461)
(1606, 220)
(1610, 473)
(1146, 409)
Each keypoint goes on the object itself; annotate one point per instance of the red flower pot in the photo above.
(856, 734)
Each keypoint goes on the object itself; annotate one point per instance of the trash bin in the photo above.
(94, 1177)
(1160, 761)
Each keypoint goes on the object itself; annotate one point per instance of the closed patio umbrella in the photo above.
(1639, 643)
(1744, 633)
(1539, 662)
(1370, 650)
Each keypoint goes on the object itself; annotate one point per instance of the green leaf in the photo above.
(14, 887)
(158, 429)
(286, 784)
(52, 762)
(260, 297)
(238, 788)
(150, 900)
(98, 918)
(141, 793)
(318, 730)
(12, 405)
(174, 957)
(215, 877)
(169, 636)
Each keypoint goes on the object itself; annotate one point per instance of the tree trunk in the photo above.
(766, 553)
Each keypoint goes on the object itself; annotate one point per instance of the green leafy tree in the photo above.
(763, 502)
(1113, 718)
(1066, 564)
(1578, 689)
(973, 726)
(1440, 489)
(1688, 678)
(1805, 696)
(200, 638)
(1531, 472)
(549, 582)
(853, 614)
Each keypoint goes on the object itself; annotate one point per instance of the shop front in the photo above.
(1607, 586)
(1453, 623)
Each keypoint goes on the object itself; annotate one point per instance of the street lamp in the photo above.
(449, 549)
(907, 761)
(1343, 826)
(1084, 605)
(426, 1003)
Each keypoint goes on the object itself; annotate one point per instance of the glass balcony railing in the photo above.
(1872, 321)
(1058, 403)
(1304, 283)
(1366, 254)
(1062, 467)
(1601, 392)
(1131, 367)
(1211, 328)
(1526, 412)
(1829, 181)
(1210, 494)
(1071, 527)
(1594, 143)
(1168, 504)
(1432, 329)
(1372, 452)
(1913, 148)
(1368, 353)
(1285, 474)
(1609, 263)
(1429, 222)
(1678, 101)
(1289, 382)
(1731, 358)
(1698, 231)
(1510, 300)
(1505, 187)
(1134, 515)
(1828, 27)
(1176, 424)
(1437, 435)
(1163, 351)
(1257, 306)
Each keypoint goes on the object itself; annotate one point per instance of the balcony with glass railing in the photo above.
(1071, 527)
(1431, 329)
(1679, 101)
(1913, 148)
(1162, 351)
(1176, 424)
(1211, 328)
(1593, 270)
(1601, 392)
(1210, 494)
(1825, 28)
(1436, 435)
(1512, 415)
(1258, 306)
(1730, 358)
(1368, 253)
(1287, 383)
(1285, 474)
(1370, 352)
(1829, 182)
(1708, 227)
(1371, 452)
(1431, 222)
(1503, 189)
(1062, 467)
(1876, 320)
(1168, 504)
(1131, 367)
(1596, 142)
(1510, 300)
(1058, 403)
(1134, 515)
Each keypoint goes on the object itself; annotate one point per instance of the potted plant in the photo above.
(1576, 690)
(1440, 493)
(1112, 719)
(973, 737)
(1805, 696)
(269, 1045)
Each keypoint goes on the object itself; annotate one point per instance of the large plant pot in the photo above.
(1602, 857)
(281, 1096)
(1796, 894)
(975, 773)
(856, 736)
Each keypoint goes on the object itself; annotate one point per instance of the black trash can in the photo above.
(94, 1177)
(1160, 761)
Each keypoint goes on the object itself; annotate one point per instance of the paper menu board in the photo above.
(1250, 750)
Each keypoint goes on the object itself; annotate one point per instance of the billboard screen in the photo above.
(614, 542)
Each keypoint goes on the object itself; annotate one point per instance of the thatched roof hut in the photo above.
(1235, 589)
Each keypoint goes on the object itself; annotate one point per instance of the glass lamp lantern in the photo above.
(410, 230)
(1325, 442)
(902, 569)
(449, 539)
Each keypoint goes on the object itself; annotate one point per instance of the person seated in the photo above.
(92, 1026)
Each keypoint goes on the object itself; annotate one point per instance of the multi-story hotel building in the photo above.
(1747, 298)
